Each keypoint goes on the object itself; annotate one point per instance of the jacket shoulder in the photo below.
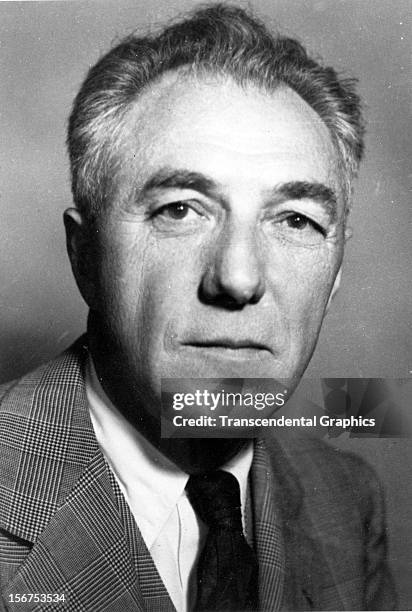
(19, 396)
(46, 439)
(313, 456)
(343, 480)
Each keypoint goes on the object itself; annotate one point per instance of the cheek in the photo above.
(301, 280)
(170, 280)
(121, 276)
(149, 282)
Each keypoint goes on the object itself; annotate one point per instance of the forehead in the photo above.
(211, 125)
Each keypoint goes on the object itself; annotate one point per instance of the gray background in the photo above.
(46, 48)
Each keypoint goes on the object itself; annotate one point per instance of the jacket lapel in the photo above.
(154, 592)
(267, 531)
(289, 557)
(297, 571)
(59, 499)
(83, 552)
(48, 439)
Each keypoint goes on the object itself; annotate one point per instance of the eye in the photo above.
(301, 222)
(179, 216)
(187, 211)
(175, 211)
(296, 228)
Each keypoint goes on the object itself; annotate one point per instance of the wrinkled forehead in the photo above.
(212, 124)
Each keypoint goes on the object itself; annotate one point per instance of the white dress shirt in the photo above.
(154, 488)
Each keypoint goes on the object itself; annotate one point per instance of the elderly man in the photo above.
(212, 167)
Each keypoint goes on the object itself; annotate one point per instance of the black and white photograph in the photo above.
(205, 330)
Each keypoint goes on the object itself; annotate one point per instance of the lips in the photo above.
(227, 343)
(244, 349)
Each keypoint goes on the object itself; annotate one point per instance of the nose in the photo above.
(234, 276)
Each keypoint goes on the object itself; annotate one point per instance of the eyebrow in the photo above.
(306, 190)
(168, 178)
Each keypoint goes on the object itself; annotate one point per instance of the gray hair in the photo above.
(217, 39)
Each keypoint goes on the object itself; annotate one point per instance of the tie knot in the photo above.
(215, 497)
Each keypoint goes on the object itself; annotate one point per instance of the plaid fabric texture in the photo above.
(65, 527)
(152, 588)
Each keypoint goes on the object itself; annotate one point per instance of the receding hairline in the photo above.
(135, 116)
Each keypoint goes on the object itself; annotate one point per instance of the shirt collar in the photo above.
(150, 482)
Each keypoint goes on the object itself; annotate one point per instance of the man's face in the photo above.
(221, 247)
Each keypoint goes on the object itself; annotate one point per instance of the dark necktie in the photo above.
(227, 569)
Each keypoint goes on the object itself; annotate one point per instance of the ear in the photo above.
(80, 251)
(348, 233)
(335, 288)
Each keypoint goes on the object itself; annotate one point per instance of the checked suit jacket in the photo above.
(317, 519)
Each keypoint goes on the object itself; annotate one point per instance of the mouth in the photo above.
(229, 348)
